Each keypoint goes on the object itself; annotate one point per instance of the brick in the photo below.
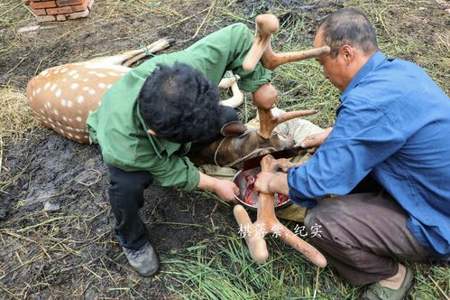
(76, 8)
(40, 5)
(41, 19)
(68, 2)
(59, 10)
(39, 12)
(60, 17)
(76, 15)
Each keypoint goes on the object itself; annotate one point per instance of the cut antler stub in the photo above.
(267, 222)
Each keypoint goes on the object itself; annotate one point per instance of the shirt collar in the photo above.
(374, 61)
(159, 144)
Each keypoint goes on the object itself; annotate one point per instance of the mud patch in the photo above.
(60, 223)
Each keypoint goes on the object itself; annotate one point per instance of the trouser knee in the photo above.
(126, 188)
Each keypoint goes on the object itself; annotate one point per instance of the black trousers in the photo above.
(126, 196)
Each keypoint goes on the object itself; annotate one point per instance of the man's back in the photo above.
(415, 115)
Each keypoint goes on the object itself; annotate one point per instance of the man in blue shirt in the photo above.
(393, 128)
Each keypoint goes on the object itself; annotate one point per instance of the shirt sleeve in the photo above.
(172, 171)
(169, 170)
(363, 136)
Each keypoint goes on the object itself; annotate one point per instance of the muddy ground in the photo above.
(58, 202)
(57, 239)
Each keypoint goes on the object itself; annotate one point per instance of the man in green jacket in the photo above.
(148, 120)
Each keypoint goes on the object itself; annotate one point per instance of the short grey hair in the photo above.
(349, 26)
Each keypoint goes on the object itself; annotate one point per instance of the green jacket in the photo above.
(120, 131)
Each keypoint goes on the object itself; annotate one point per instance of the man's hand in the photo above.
(225, 189)
(315, 140)
(270, 164)
(270, 182)
(262, 183)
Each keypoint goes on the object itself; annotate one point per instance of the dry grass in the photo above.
(71, 252)
(15, 115)
(15, 118)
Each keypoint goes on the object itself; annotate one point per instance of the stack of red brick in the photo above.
(60, 10)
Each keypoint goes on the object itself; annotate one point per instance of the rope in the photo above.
(241, 159)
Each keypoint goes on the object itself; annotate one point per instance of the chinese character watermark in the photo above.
(259, 229)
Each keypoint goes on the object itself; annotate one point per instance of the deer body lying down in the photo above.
(62, 97)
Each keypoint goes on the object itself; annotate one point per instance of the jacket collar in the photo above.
(374, 61)
(159, 144)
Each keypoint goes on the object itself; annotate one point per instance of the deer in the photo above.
(62, 97)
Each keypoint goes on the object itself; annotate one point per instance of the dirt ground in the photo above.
(57, 237)
(55, 219)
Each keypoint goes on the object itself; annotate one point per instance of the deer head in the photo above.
(234, 148)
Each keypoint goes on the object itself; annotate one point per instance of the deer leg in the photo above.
(148, 50)
(238, 96)
(127, 58)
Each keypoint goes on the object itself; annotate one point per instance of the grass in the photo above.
(227, 272)
(15, 115)
(220, 267)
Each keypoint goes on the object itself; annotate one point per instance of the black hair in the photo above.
(349, 26)
(180, 104)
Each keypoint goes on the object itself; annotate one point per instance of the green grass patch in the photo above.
(222, 269)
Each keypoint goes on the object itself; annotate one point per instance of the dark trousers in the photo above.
(126, 195)
(364, 234)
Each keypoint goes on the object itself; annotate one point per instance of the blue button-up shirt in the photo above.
(394, 123)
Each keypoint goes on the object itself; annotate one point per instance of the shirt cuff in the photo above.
(193, 178)
(296, 196)
(255, 79)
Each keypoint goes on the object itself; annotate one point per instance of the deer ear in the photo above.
(233, 128)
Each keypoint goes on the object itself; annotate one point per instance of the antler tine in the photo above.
(310, 252)
(255, 241)
(271, 60)
(264, 98)
(267, 222)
